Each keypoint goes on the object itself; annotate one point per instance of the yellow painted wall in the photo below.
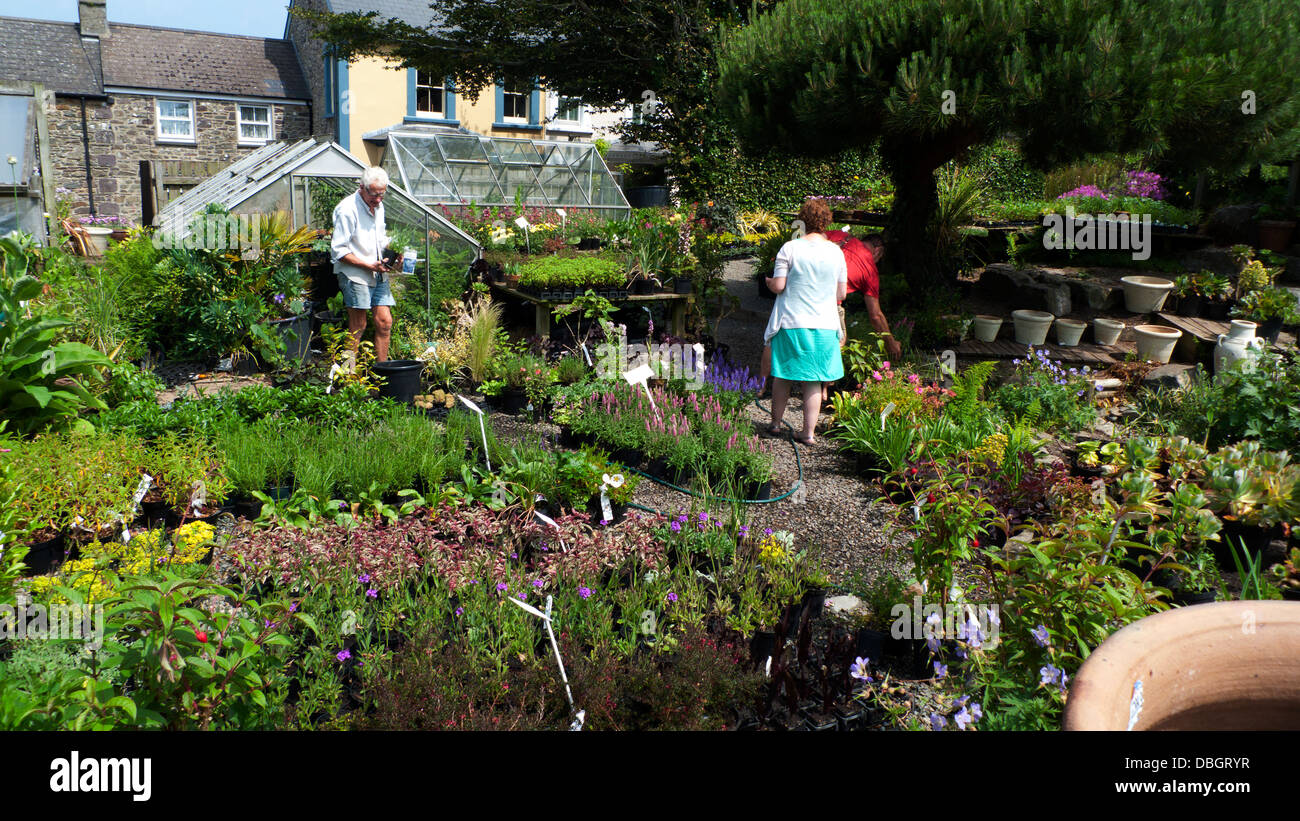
(378, 99)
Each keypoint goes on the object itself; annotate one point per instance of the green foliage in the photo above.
(1044, 390)
(555, 271)
(40, 383)
(967, 388)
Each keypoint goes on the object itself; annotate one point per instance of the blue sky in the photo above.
(259, 18)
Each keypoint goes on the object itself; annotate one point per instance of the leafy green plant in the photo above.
(569, 272)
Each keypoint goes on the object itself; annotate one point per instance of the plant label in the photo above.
(126, 534)
(586, 354)
(563, 214)
(140, 490)
(530, 609)
(578, 721)
(547, 520)
(605, 507)
(916, 513)
(199, 497)
(481, 427)
(522, 222)
(638, 376)
(884, 414)
(1135, 705)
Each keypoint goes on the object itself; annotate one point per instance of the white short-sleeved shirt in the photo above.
(357, 231)
(812, 268)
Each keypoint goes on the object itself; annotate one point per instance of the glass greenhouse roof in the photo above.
(452, 168)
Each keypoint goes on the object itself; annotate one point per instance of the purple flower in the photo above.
(672, 597)
(859, 670)
(278, 299)
(1050, 674)
(937, 722)
(676, 527)
(372, 593)
(537, 582)
(460, 611)
(965, 717)
(940, 669)
(523, 596)
(1041, 636)
(343, 655)
(514, 555)
(293, 607)
(584, 592)
(502, 587)
(744, 530)
(604, 522)
(767, 531)
(364, 578)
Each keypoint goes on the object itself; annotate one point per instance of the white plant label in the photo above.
(916, 513)
(563, 214)
(638, 376)
(605, 506)
(522, 222)
(550, 633)
(481, 427)
(126, 534)
(547, 520)
(586, 354)
(1135, 705)
(199, 497)
(140, 490)
(884, 414)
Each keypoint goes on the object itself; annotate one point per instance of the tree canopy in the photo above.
(1204, 81)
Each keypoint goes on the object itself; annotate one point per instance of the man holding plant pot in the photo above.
(357, 249)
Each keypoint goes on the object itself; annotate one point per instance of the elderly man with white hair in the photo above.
(357, 249)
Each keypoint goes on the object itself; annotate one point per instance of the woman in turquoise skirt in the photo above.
(810, 280)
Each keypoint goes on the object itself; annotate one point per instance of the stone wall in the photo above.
(122, 133)
(311, 57)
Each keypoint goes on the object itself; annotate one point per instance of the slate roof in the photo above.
(413, 12)
(40, 51)
(180, 60)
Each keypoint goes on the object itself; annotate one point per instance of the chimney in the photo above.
(92, 18)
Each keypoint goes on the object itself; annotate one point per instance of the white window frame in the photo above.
(582, 125)
(526, 94)
(441, 96)
(240, 122)
(192, 137)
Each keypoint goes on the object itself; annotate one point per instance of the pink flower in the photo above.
(885, 364)
(876, 376)
(914, 379)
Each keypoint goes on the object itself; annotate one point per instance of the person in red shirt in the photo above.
(862, 257)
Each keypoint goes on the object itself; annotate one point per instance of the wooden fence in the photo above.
(162, 181)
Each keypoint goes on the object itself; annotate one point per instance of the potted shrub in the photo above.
(1271, 308)
(1276, 224)
(1216, 292)
(1189, 298)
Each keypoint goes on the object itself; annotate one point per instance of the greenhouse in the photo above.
(307, 179)
(448, 167)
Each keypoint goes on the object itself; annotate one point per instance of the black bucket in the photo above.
(401, 378)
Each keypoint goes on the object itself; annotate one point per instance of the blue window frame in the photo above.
(518, 107)
(427, 102)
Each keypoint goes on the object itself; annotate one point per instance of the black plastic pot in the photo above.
(792, 619)
(1270, 330)
(683, 286)
(1185, 599)
(42, 557)
(512, 401)
(870, 644)
(296, 333)
(1236, 535)
(401, 379)
(756, 492)
(814, 602)
(761, 647)
(1215, 309)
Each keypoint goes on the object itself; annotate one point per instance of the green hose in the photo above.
(798, 482)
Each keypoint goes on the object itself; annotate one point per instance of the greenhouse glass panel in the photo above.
(446, 167)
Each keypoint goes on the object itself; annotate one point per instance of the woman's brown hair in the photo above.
(816, 215)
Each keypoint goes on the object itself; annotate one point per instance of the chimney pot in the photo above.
(92, 18)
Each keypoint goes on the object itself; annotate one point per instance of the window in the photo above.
(254, 124)
(514, 104)
(430, 95)
(176, 121)
(568, 109)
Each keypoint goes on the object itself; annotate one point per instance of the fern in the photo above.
(968, 386)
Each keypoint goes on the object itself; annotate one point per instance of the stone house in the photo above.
(119, 100)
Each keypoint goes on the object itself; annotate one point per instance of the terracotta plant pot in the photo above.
(1275, 235)
(1156, 343)
(1069, 332)
(1146, 295)
(1221, 666)
(1032, 326)
(986, 327)
(1107, 331)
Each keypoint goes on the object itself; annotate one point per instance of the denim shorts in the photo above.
(363, 297)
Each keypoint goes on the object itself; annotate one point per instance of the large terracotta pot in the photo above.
(1223, 666)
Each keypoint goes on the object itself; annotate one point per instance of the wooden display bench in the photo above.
(1201, 335)
(1095, 356)
(543, 307)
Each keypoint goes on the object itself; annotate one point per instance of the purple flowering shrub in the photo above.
(1045, 393)
(1136, 183)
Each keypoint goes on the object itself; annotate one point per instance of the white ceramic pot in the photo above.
(1031, 326)
(1155, 343)
(1146, 295)
(1070, 331)
(986, 327)
(1107, 331)
(1239, 343)
(97, 239)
